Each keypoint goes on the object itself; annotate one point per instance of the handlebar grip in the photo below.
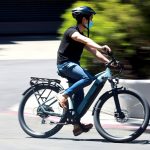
(109, 53)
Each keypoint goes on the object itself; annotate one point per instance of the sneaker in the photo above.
(80, 128)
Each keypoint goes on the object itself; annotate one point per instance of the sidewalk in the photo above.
(15, 48)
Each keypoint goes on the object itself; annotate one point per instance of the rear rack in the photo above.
(36, 80)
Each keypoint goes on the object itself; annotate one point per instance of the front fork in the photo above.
(118, 113)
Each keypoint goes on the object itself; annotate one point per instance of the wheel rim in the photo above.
(121, 129)
(34, 121)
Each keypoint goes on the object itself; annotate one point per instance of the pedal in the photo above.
(52, 122)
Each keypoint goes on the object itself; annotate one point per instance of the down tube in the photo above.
(89, 98)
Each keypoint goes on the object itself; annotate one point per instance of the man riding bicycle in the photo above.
(68, 60)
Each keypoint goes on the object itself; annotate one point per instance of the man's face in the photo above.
(85, 20)
(87, 24)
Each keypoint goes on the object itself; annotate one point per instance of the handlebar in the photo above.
(114, 62)
(113, 59)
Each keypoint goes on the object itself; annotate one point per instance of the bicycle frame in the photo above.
(107, 121)
(99, 82)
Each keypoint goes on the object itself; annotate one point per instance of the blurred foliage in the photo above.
(124, 26)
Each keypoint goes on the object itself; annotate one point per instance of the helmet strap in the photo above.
(88, 27)
(88, 30)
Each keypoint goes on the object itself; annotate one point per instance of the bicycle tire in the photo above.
(23, 115)
(123, 130)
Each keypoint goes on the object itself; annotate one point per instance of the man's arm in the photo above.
(97, 54)
(88, 42)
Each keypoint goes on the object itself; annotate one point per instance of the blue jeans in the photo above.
(80, 78)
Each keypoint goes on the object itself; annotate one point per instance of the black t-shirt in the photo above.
(69, 49)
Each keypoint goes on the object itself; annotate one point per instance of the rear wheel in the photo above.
(126, 126)
(40, 115)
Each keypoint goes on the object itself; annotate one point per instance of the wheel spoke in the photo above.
(123, 126)
(41, 115)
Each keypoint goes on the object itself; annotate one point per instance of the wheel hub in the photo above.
(121, 117)
(41, 109)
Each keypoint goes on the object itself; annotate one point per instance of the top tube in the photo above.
(103, 75)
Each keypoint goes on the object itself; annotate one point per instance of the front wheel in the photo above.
(40, 116)
(127, 125)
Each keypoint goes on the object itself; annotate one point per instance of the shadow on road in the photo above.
(101, 140)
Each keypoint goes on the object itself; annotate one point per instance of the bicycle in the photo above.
(114, 113)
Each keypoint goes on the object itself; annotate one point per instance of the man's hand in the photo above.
(105, 49)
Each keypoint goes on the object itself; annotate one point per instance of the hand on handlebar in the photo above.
(115, 64)
(106, 49)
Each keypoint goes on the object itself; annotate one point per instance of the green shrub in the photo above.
(122, 27)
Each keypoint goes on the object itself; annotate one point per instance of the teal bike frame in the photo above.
(97, 86)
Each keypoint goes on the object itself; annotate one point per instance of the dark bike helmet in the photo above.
(83, 11)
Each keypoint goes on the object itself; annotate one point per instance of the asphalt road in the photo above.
(21, 58)
(15, 76)
(14, 79)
